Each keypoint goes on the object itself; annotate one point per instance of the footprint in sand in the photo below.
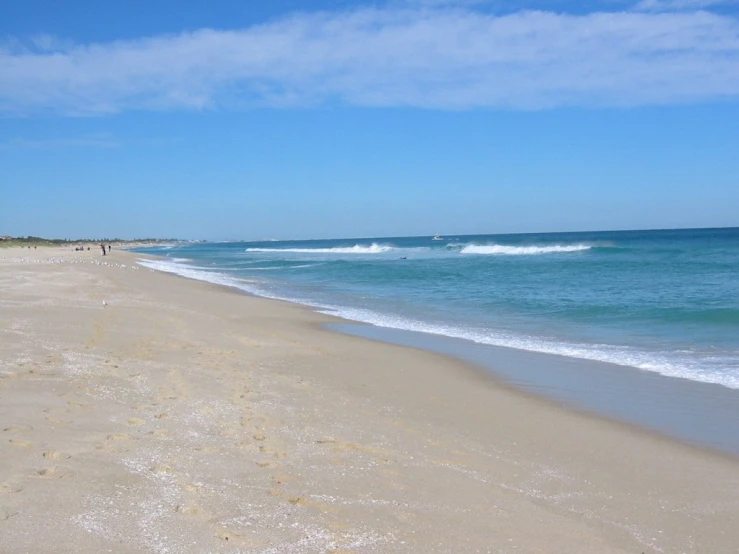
(53, 455)
(18, 429)
(77, 404)
(6, 514)
(294, 500)
(190, 510)
(282, 479)
(136, 421)
(277, 454)
(119, 437)
(57, 421)
(190, 487)
(20, 444)
(10, 488)
(50, 473)
(229, 536)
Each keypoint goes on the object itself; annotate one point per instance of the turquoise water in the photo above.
(661, 301)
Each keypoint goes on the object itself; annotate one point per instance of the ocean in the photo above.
(665, 301)
(639, 326)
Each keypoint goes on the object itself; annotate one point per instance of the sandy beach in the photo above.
(143, 412)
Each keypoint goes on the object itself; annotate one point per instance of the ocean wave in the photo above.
(356, 249)
(501, 249)
(249, 268)
(210, 269)
(303, 265)
(274, 267)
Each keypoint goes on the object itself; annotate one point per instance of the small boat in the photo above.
(437, 237)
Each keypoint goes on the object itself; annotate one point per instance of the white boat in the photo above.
(437, 237)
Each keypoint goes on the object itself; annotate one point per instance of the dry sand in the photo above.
(185, 417)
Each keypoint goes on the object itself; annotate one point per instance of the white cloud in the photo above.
(448, 59)
(445, 3)
(680, 5)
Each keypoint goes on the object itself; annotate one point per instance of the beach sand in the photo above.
(143, 412)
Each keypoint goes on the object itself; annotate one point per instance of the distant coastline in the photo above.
(10, 241)
(7, 241)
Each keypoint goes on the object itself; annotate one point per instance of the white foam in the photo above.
(270, 268)
(250, 268)
(253, 286)
(356, 249)
(211, 269)
(200, 275)
(500, 249)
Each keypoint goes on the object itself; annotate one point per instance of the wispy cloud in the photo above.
(445, 3)
(430, 58)
(90, 141)
(681, 5)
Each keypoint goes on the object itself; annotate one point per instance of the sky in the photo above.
(227, 120)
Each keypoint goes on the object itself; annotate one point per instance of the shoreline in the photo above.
(181, 414)
(533, 393)
(614, 392)
(588, 388)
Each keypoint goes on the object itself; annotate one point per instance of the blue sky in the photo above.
(286, 119)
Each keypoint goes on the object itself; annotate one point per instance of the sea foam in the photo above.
(251, 285)
(193, 272)
(501, 249)
(356, 249)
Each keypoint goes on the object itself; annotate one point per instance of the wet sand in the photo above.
(142, 412)
(702, 414)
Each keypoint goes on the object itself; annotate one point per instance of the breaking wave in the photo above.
(500, 249)
(356, 249)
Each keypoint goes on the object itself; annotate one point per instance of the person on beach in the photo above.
(102, 246)
(108, 249)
